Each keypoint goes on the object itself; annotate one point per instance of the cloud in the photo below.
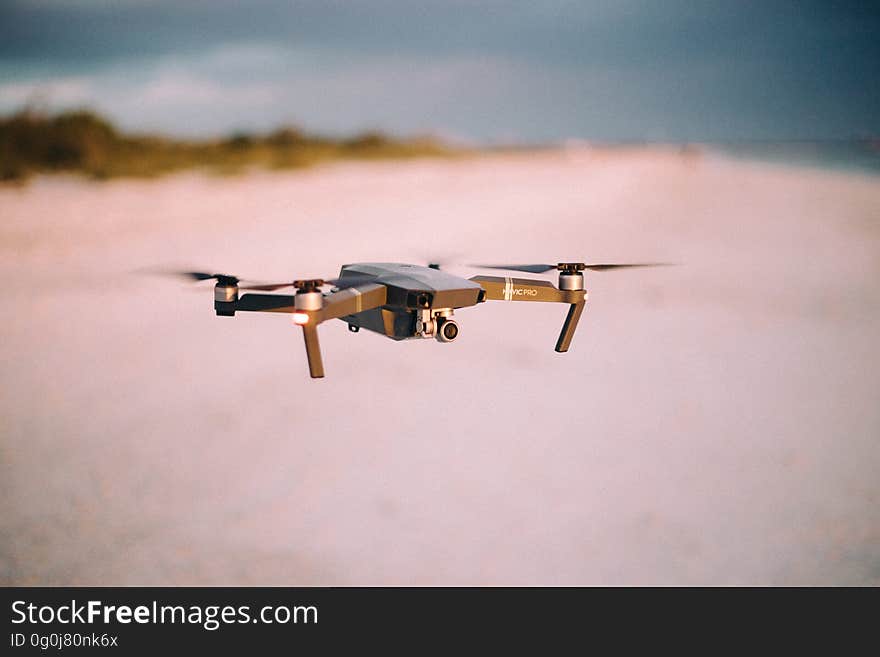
(170, 90)
(260, 86)
(195, 95)
(63, 91)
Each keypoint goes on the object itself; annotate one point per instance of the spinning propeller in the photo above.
(224, 279)
(571, 266)
(228, 279)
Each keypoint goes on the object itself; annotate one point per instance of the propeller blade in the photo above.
(350, 281)
(622, 266)
(542, 268)
(267, 287)
(341, 283)
(204, 276)
(196, 275)
(531, 269)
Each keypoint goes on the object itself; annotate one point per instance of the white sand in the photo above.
(715, 423)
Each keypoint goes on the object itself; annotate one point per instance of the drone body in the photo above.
(399, 301)
(402, 301)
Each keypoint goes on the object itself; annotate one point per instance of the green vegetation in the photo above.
(83, 142)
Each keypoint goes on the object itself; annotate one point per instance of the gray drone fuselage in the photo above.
(417, 298)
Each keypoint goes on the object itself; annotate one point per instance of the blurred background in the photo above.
(714, 423)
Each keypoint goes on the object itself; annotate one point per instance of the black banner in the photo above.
(147, 620)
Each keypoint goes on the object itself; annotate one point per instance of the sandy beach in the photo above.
(717, 422)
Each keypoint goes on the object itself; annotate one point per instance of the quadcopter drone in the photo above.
(402, 301)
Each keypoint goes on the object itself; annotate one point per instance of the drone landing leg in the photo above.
(313, 351)
(568, 328)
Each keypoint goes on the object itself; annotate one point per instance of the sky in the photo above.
(489, 71)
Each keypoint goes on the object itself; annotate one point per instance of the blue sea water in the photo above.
(851, 155)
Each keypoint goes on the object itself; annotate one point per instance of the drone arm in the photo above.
(345, 302)
(272, 303)
(349, 301)
(499, 288)
(352, 300)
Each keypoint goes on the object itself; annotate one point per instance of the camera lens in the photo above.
(447, 331)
